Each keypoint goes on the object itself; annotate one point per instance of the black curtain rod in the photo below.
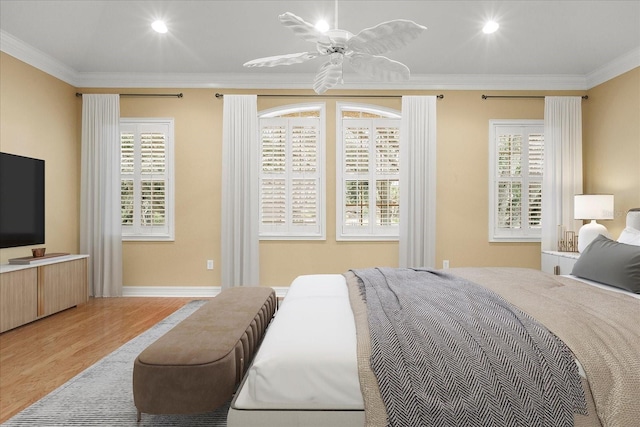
(521, 96)
(221, 95)
(143, 95)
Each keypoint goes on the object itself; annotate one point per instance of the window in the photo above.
(368, 169)
(516, 163)
(292, 173)
(146, 179)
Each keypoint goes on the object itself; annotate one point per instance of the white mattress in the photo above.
(314, 319)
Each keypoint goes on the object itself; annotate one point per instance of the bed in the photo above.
(318, 366)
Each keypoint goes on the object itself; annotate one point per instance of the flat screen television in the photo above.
(21, 201)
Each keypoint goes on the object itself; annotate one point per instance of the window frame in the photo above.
(138, 233)
(296, 232)
(373, 231)
(524, 234)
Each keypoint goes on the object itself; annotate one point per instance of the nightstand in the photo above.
(555, 262)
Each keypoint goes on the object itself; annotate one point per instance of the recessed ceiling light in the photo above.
(490, 27)
(159, 26)
(322, 26)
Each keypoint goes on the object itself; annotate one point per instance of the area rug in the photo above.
(102, 395)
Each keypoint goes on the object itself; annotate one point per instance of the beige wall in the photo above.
(611, 144)
(462, 182)
(462, 194)
(37, 119)
(198, 149)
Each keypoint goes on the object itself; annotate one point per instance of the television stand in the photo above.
(30, 292)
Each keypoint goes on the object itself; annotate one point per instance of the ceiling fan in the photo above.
(362, 50)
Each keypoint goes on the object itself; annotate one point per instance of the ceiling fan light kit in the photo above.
(362, 51)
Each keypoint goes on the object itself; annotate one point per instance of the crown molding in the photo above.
(615, 68)
(193, 80)
(351, 81)
(491, 82)
(36, 58)
(40, 60)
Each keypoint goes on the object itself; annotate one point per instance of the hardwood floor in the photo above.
(38, 357)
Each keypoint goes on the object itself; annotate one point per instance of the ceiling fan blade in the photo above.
(386, 36)
(301, 28)
(289, 59)
(329, 75)
(379, 67)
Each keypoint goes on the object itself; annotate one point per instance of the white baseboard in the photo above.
(170, 291)
(184, 291)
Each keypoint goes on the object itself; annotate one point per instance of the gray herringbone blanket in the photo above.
(447, 352)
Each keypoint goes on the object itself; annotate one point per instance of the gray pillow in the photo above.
(610, 262)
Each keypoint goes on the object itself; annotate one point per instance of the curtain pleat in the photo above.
(100, 223)
(240, 256)
(562, 177)
(418, 182)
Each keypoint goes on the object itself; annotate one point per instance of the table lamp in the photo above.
(592, 207)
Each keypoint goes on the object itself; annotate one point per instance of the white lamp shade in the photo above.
(593, 206)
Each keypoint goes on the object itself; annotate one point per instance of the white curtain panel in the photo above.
(418, 182)
(562, 166)
(240, 256)
(100, 223)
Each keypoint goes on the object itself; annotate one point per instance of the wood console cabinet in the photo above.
(30, 292)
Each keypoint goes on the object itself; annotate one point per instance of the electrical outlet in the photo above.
(209, 264)
(445, 264)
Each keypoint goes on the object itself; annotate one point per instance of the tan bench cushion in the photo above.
(196, 366)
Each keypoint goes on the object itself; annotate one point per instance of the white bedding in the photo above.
(314, 319)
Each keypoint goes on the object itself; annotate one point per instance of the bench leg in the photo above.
(139, 417)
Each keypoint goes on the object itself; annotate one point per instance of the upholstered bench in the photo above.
(197, 365)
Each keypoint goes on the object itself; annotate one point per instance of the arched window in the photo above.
(368, 172)
(292, 172)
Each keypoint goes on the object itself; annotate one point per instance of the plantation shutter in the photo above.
(371, 177)
(273, 189)
(509, 181)
(144, 179)
(152, 182)
(304, 176)
(127, 170)
(518, 180)
(387, 175)
(357, 135)
(536, 167)
(290, 177)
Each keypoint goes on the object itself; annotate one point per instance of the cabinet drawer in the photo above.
(61, 286)
(18, 297)
(558, 262)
